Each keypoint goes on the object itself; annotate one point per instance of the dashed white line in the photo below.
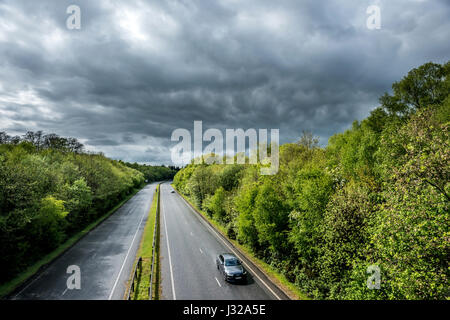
(170, 260)
(229, 247)
(218, 282)
(201, 251)
(65, 291)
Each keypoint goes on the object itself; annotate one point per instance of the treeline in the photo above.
(49, 190)
(44, 141)
(378, 194)
(154, 173)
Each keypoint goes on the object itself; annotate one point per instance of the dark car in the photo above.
(231, 268)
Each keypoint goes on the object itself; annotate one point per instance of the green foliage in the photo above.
(153, 173)
(245, 202)
(182, 177)
(202, 183)
(426, 85)
(47, 227)
(352, 152)
(411, 231)
(216, 205)
(378, 194)
(78, 201)
(48, 192)
(345, 236)
(229, 178)
(271, 217)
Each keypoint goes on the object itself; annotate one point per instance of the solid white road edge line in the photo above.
(128, 253)
(229, 247)
(29, 284)
(170, 260)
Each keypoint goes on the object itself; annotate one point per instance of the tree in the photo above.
(4, 138)
(48, 225)
(308, 140)
(411, 228)
(216, 205)
(203, 182)
(230, 176)
(245, 203)
(345, 236)
(426, 85)
(77, 201)
(49, 193)
(271, 218)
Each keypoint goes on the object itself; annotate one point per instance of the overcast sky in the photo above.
(137, 70)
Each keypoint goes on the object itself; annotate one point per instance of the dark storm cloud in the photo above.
(102, 142)
(137, 70)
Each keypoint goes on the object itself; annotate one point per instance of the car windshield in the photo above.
(232, 262)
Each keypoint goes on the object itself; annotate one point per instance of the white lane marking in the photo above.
(27, 286)
(65, 291)
(170, 260)
(192, 234)
(218, 282)
(126, 257)
(201, 251)
(229, 247)
(45, 272)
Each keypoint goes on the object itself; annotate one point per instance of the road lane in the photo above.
(105, 257)
(189, 268)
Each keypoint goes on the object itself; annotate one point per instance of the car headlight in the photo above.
(244, 272)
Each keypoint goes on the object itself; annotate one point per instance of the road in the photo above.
(189, 248)
(105, 257)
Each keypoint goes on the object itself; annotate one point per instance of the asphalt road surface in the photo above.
(188, 251)
(105, 257)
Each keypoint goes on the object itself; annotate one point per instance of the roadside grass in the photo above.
(145, 251)
(289, 288)
(156, 282)
(9, 287)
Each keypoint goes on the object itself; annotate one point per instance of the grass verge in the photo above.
(157, 276)
(10, 286)
(145, 251)
(288, 287)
